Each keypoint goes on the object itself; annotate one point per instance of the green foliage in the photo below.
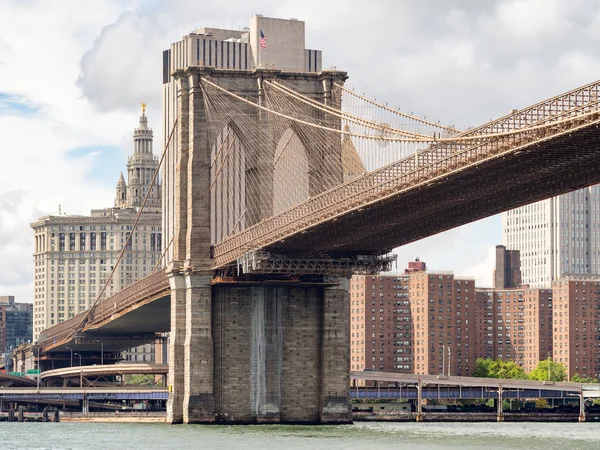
(576, 378)
(140, 380)
(548, 370)
(489, 368)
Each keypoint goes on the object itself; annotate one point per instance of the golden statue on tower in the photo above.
(143, 108)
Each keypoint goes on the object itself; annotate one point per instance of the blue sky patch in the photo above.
(108, 162)
(15, 104)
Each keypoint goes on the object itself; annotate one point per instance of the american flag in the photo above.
(263, 40)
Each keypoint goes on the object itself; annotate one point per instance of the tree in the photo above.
(510, 369)
(483, 368)
(548, 370)
(576, 378)
(489, 368)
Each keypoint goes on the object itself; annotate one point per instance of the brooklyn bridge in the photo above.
(278, 186)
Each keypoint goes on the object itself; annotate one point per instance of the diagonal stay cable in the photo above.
(133, 228)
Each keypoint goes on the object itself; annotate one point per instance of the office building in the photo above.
(74, 255)
(15, 323)
(507, 273)
(556, 237)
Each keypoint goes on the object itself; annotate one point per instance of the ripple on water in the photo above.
(364, 436)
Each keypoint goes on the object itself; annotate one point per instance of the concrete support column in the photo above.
(199, 399)
(419, 416)
(176, 347)
(500, 416)
(335, 355)
(581, 408)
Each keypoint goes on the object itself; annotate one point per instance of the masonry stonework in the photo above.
(246, 350)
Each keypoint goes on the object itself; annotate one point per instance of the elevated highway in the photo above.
(396, 385)
(104, 375)
(114, 369)
(7, 380)
(73, 394)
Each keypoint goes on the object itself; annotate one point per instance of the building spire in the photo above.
(141, 168)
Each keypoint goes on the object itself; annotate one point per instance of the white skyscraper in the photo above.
(74, 254)
(557, 236)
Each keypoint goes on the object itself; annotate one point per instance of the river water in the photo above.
(418, 436)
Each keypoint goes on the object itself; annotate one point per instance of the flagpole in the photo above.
(260, 48)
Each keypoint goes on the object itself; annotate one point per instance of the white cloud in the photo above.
(83, 68)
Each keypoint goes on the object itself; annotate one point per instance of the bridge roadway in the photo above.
(442, 187)
(129, 318)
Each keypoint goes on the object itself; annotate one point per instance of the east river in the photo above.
(363, 436)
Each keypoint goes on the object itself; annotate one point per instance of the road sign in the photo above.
(16, 374)
(33, 371)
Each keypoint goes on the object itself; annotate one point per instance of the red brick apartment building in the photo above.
(380, 325)
(418, 322)
(516, 325)
(576, 338)
(432, 322)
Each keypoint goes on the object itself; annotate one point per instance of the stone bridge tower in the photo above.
(257, 348)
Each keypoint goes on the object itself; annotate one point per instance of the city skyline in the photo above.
(98, 68)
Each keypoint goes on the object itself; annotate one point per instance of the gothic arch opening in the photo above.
(291, 184)
(227, 185)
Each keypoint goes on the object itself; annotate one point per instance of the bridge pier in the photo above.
(198, 399)
(335, 354)
(262, 354)
(176, 347)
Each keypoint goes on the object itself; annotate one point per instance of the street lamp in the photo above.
(78, 354)
(39, 366)
(443, 359)
(101, 351)
(71, 355)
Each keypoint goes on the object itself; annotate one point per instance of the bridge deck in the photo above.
(113, 369)
(398, 205)
(589, 390)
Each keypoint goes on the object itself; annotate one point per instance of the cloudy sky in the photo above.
(73, 73)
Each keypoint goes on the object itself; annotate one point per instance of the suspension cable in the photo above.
(343, 115)
(133, 228)
(395, 111)
(383, 138)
